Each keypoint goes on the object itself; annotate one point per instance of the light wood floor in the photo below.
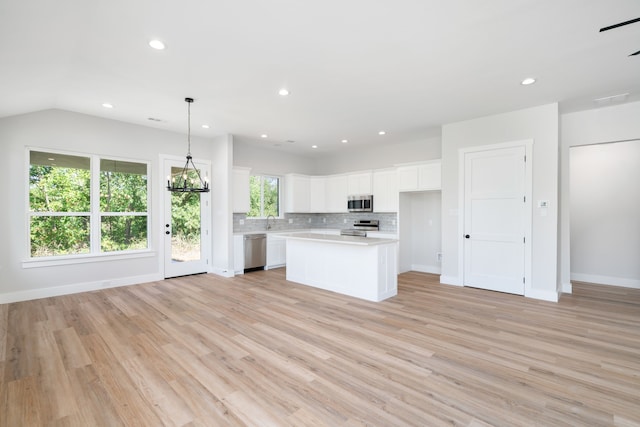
(257, 350)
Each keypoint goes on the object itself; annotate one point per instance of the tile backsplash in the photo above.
(291, 221)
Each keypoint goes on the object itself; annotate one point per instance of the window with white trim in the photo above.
(85, 204)
(264, 196)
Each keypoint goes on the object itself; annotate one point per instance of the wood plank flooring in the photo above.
(257, 350)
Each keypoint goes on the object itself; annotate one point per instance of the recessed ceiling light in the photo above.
(107, 105)
(344, 141)
(528, 81)
(314, 146)
(156, 44)
(382, 132)
(51, 159)
(205, 126)
(264, 135)
(291, 141)
(283, 92)
(155, 119)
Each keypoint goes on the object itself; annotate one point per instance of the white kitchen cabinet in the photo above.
(385, 191)
(240, 186)
(317, 192)
(420, 177)
(276, 251)
(238, 254)
(430, 176)
(359, 183)
(366, 269)
(336, 194)
(297, 197)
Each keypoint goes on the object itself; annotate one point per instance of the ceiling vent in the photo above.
(610, 100)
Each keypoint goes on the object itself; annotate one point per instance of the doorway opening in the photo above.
(604, 200)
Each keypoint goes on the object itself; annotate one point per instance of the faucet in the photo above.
(269, 225)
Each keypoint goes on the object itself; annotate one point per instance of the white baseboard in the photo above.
(433, 269)
(541, 294)
(531, 293)
(567, 288)
(32, 294)
(450, 280)
(606, 280)
(222, 272)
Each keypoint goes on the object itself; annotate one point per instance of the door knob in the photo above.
(166, 225)
(466, 236)
(167, 232)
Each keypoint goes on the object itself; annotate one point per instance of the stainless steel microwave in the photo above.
(361, 203)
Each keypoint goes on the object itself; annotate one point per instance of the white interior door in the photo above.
(186, 230)
(494, 219)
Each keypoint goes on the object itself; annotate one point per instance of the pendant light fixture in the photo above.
(189, 180)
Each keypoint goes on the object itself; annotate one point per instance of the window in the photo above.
(75, 210)
(123, 205)
(264, 195)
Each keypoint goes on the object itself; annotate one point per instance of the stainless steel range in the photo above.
(360, 228)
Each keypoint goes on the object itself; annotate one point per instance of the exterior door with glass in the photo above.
(187, 245)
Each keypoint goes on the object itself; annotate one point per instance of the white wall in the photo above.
(405, 222)
(609, 124)
(539, 124)
(67, 131)
(271, 161)
(605, 213)
(222, 201)
(353, 159)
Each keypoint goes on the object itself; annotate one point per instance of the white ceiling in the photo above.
(353, 67)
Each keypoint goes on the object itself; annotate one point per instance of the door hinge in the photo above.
(524, 239)
(523, 280)
(525, 158)
(524, 199)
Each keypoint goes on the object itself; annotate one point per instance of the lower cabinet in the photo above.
(276, 251)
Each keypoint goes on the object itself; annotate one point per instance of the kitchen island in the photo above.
(362, 267)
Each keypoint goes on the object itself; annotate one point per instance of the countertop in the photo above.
(328, 231)
(331, 238)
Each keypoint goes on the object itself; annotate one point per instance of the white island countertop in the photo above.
(362, 267)
(329, 238)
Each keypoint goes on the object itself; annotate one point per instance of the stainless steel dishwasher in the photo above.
(255, 252)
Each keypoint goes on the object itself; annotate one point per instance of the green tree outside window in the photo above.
(61, 221)
(264, 196)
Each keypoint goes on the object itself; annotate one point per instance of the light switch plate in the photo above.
(543, 203)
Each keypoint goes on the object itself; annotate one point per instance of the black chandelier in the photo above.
(189, 180)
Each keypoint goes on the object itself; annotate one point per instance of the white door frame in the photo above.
(205, 239)
(528, 188)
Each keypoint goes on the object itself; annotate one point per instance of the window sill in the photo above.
(83, 259)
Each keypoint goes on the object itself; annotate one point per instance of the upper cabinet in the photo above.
(328, 194)
(297, 197)
(317, 193)
(336, 193)
(420, 177)
(240, 185)
(359, 183)
(385, 191)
